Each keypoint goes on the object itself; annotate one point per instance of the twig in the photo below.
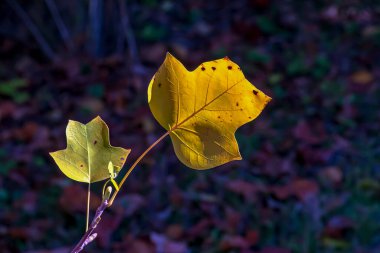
(46, 49)
(63, 31)
(89, 236)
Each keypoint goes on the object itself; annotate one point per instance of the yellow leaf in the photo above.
(89, 152)
(203, 108)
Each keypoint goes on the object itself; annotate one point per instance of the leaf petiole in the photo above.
(114, 184)
(88, 205)
(135, 163)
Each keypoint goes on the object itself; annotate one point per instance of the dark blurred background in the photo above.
(309, 181)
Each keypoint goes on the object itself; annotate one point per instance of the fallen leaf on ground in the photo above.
(302, 189)
(362, 77)
(74, 199)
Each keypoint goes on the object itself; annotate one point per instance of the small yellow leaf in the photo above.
(89, 152)
(111, 170)
(203, 108)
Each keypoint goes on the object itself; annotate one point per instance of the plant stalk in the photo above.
(89, 235)
(135, 163)
(88, 205)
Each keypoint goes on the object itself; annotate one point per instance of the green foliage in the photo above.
(96, 90)
(12, 88)
(258, 57)
(152, 33)
(266, 25)
(6, 164)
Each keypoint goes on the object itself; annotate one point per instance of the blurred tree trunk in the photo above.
(62, 29)
(96, 27)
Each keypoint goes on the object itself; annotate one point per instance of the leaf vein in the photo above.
(200, 109)
(191, 148)
(217, 143)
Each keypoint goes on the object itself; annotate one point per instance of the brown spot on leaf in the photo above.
(229, 67)
(255, 92)
(218, 117)
(213, 68)
(249, 117)
(203, 68)
(95, 141)
(226, 58)
(81, 165)
(159, 85)
(237, 103)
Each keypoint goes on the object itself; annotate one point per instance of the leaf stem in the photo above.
(89, 235)
(135, 163)
(88, 205)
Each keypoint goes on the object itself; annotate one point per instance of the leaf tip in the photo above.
(238, 158)
(267, 99)
(52, 153)
(170, 57)
(97, 118)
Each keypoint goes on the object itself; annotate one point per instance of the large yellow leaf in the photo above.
(89, 152)
(203, 108)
